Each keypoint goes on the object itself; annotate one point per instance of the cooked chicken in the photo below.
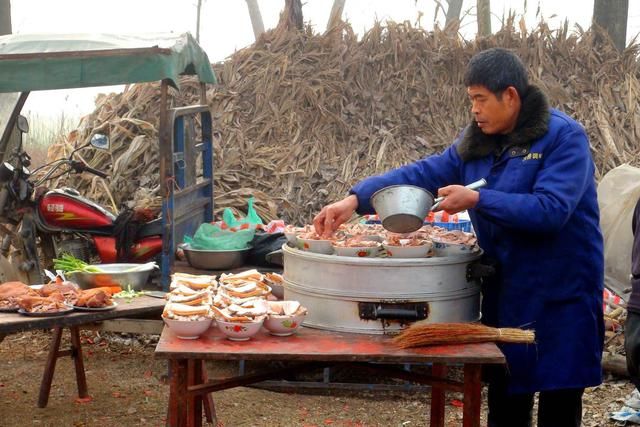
(11, 291)
(37, 304)
(68, 289)
(94, 298)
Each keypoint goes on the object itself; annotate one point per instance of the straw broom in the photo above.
(422, 334)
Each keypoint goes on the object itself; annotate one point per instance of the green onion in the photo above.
(129, 293)
(70, 264)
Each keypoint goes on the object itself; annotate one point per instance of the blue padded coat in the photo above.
(538, 218)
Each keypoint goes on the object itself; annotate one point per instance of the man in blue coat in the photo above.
(538, 219)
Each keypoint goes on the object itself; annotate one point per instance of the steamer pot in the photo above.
(381, 295)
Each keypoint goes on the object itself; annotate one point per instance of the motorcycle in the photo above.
(39, 224)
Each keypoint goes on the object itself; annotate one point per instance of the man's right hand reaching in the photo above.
(331, 216)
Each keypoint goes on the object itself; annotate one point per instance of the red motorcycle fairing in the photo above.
(143, 250)
(65, 209)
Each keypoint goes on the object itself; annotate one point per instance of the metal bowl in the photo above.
(114, 274)
(215, 260)
(402, 208)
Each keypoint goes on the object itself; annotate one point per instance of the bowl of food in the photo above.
(240, 330)
(186, 321)
(402, 208)
(454, 243)
(357, 248)
(444, 248)
(290, 232)
(126, 276)
(284, 317)
(421, 251)
(215, 259)
(315, 245)
(407, 246)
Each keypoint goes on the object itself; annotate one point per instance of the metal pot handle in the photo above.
(402, 311)
(274, 257)
(479, 270)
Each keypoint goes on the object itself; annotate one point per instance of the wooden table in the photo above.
(313, 349)
(14, 322)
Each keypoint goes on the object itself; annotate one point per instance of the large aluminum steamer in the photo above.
(381, 295)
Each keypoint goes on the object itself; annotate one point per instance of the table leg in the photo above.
(194, 402)
(49, 368)
(178, 393)
(472, 395)
(76, 354)
(209, 406)
(438, 370)
(2, 337)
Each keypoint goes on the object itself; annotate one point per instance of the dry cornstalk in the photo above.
(422, 334)
(300, 117)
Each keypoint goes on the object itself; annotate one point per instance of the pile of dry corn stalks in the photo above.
(302, 117)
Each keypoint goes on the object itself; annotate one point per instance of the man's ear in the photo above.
(511, 94)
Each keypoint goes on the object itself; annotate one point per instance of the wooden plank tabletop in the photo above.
(14, 322)
(309, 344)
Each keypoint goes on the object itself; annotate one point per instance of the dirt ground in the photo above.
(128, 388)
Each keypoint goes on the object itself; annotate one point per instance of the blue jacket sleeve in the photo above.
(429, 173)
(559, 186)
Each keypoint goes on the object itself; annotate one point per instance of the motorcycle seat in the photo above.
(151, 228)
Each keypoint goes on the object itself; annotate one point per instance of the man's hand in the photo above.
(457, 198)
(331, 216)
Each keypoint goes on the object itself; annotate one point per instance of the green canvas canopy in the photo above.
(31, 62)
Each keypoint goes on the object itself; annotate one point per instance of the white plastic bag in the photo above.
(618, 193)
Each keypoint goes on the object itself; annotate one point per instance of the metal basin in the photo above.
(402, 208)
(114, 274)
(215, 260)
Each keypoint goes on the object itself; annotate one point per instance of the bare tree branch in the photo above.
(612, 16)
(453, 14)
(256, 18)
(484, 17)
(291, 16)
(336, 14)
(198, 20)
(5, 17)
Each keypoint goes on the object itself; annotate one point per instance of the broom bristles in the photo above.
(422, 334)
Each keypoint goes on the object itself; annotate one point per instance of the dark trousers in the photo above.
(556, 408)
(632, 346)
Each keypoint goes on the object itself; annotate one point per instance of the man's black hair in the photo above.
(497, 69)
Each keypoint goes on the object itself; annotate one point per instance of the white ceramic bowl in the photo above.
(188, 329)
(317, 246)
(282, 325)
(451, 249)
(408, 251)
(291, 238)
(239, 331)
(357, 251)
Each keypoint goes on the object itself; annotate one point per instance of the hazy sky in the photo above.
(225, 24)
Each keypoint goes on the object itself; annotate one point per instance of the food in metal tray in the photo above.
(10, 292)
(37, 304)
(94, 298)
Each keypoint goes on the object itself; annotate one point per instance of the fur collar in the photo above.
(533, 122)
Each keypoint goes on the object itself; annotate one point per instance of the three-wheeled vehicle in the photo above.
(36, 226)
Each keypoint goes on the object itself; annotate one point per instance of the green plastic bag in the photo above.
(229, 234)
(252, 217)
(211, 237)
